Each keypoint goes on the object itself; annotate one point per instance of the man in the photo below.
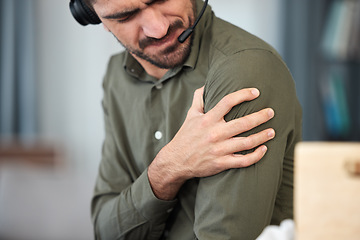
(181, 167)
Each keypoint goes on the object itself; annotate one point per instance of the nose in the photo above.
(154, 23)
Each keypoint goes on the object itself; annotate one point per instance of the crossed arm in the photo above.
(119, 213)
(206, 144)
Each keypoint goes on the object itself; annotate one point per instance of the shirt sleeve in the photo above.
(239, 203)
(123, 204)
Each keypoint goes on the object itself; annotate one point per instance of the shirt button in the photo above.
(158, 135)
(159, 86)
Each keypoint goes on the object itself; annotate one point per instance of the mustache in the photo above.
(143, 43)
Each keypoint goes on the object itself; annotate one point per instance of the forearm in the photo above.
(134, 213)
(165, 179)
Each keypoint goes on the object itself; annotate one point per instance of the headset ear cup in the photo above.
(82, 13)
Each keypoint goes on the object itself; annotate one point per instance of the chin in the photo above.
(171, 57)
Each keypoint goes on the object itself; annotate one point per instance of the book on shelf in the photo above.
(335, 104)
(341, 35)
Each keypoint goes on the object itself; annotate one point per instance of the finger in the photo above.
(231, 100)
(246, 123)
(250, 158)
(239, 144)
(241, 161)
(198, 100)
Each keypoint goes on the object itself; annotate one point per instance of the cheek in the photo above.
(127, 34)
(178, 10)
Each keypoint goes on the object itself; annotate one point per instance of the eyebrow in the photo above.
(119, 15)
(126, 13)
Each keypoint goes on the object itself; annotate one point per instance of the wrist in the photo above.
(165, 178)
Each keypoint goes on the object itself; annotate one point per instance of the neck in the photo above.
(151, 69)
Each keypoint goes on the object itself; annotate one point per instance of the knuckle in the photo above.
(226, 102)
(247, 143)
(244, 123)
(205, 122)
(213, 137)
(216, 151)
(218, 165)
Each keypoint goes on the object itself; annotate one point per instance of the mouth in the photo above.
(170, 39)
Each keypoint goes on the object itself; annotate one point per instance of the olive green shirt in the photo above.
(142, 114)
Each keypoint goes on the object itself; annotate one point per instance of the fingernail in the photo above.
(271, 133)
(255, 92)
(271, 113)
(264, 148)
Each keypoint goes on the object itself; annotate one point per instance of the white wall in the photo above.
(72, 61)
(260, 17)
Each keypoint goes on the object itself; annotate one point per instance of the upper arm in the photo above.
(240, 202)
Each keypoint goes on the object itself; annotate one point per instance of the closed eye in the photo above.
(127, 17)
(155, 1)
(122, 16)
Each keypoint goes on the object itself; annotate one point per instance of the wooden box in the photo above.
(327, 191)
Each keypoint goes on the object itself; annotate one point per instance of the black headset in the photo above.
(84, 15)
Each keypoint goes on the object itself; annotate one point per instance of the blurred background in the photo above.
(51, 123)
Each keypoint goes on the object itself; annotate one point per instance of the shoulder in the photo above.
(237, 55)
(248, 69)
(241, 60)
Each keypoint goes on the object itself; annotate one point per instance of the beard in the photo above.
(170, 57)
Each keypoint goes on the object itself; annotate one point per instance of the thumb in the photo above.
(198, 100)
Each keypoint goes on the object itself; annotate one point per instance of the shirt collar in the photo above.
(198, 33)
(134, 68)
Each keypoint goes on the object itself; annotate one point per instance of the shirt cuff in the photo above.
(152, 208)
